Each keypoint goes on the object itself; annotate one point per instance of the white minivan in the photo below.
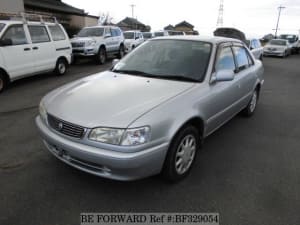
(29, 48)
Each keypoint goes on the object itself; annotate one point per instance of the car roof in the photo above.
(211, 39)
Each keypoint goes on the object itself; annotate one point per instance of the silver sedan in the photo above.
(152, 111)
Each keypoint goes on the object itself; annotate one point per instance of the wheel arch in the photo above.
(6, 75)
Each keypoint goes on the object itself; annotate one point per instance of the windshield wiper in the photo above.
(134, 72)
(178, 77)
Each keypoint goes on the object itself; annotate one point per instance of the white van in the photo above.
(29, 48)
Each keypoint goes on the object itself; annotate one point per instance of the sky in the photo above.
(254, 17)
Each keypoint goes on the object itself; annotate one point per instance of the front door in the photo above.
(17, 57)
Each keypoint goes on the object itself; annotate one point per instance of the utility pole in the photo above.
(220, 15)
(132, 10)
(279, 8)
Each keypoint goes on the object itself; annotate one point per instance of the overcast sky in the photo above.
(253, 17)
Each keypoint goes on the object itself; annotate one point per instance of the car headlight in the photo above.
(125, 137)
(43, 111)
(90, 43)
(136, 136)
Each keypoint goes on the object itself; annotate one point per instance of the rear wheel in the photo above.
(61, 67)
(250, 109)
(121, 52)
(181, 154)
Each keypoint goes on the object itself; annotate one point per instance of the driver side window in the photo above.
(16, 34)
(225, 60)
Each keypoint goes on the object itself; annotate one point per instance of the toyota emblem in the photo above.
(60, 126)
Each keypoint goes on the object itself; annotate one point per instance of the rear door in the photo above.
(43, 49)
(18, 57)
(109, 40)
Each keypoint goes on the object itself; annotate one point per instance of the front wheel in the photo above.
(181, 154)
(3, 82)
(61, 67)
(250, 109)
(101, 57)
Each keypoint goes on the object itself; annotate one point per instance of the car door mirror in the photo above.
(114, 62)
(222, 75)
(6, 42)
(75, 35)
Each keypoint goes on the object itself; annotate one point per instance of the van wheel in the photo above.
(61, 67)
(101, 57)
(3, 82)
(121, 52)
(250, 109)
(181, 154)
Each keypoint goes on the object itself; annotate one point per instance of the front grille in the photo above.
(78, 51)
(77, 44)
(65, 128)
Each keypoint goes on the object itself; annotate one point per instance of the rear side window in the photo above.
(225, 60)
(115, 32)
(242, 58)
(16, 34)
(38, 34)
(57, 33)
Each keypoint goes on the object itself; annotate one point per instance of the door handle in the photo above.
(35, 48)
(26, 49)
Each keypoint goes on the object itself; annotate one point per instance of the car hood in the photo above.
(109, 99)
(82, 39)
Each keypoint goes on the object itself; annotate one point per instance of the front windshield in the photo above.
(2, 25)
(278, 42)
(168, 59)
(290, 38)
(91, 32)
(129, 35)
(159, 34)
(147, 35)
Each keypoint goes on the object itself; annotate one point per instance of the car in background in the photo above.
(293, 40)
(255, 47)
(160, 33)
(133, 39)
(175, 32)
(28, 48)
(98, 42)
(151, 111)
(147, 35)
(168, 33)
(277, 47)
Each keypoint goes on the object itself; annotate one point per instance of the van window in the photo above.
(57, 33)
(38, 34)
(16, 34)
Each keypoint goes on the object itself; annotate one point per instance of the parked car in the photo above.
(160, 33)
(28, 48)
(293, 41)
(99, 42)
(151, 112)
(277, 47)
(147, 35)
(256, 48)
(133, 39)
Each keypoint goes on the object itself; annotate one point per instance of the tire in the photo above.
(250, 108)
(3, 82)
(181, 154)
(61, 67)
(261, 58)
(101, 56)
(121, 52)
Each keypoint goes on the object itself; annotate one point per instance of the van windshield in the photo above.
(91, 32)
(2, 25)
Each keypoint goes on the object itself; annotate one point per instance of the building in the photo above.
(73, 19)
(183, 26)
(133, 24)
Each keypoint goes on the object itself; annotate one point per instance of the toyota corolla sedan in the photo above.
(278, 47)
(150, 113)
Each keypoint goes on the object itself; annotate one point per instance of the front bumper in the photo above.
(85, 51)
(104, 162)
(275, 53)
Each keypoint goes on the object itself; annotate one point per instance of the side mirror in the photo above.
(6, 42)
(222, 75)
(114, 62)
(75, 35)
(136, 38)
